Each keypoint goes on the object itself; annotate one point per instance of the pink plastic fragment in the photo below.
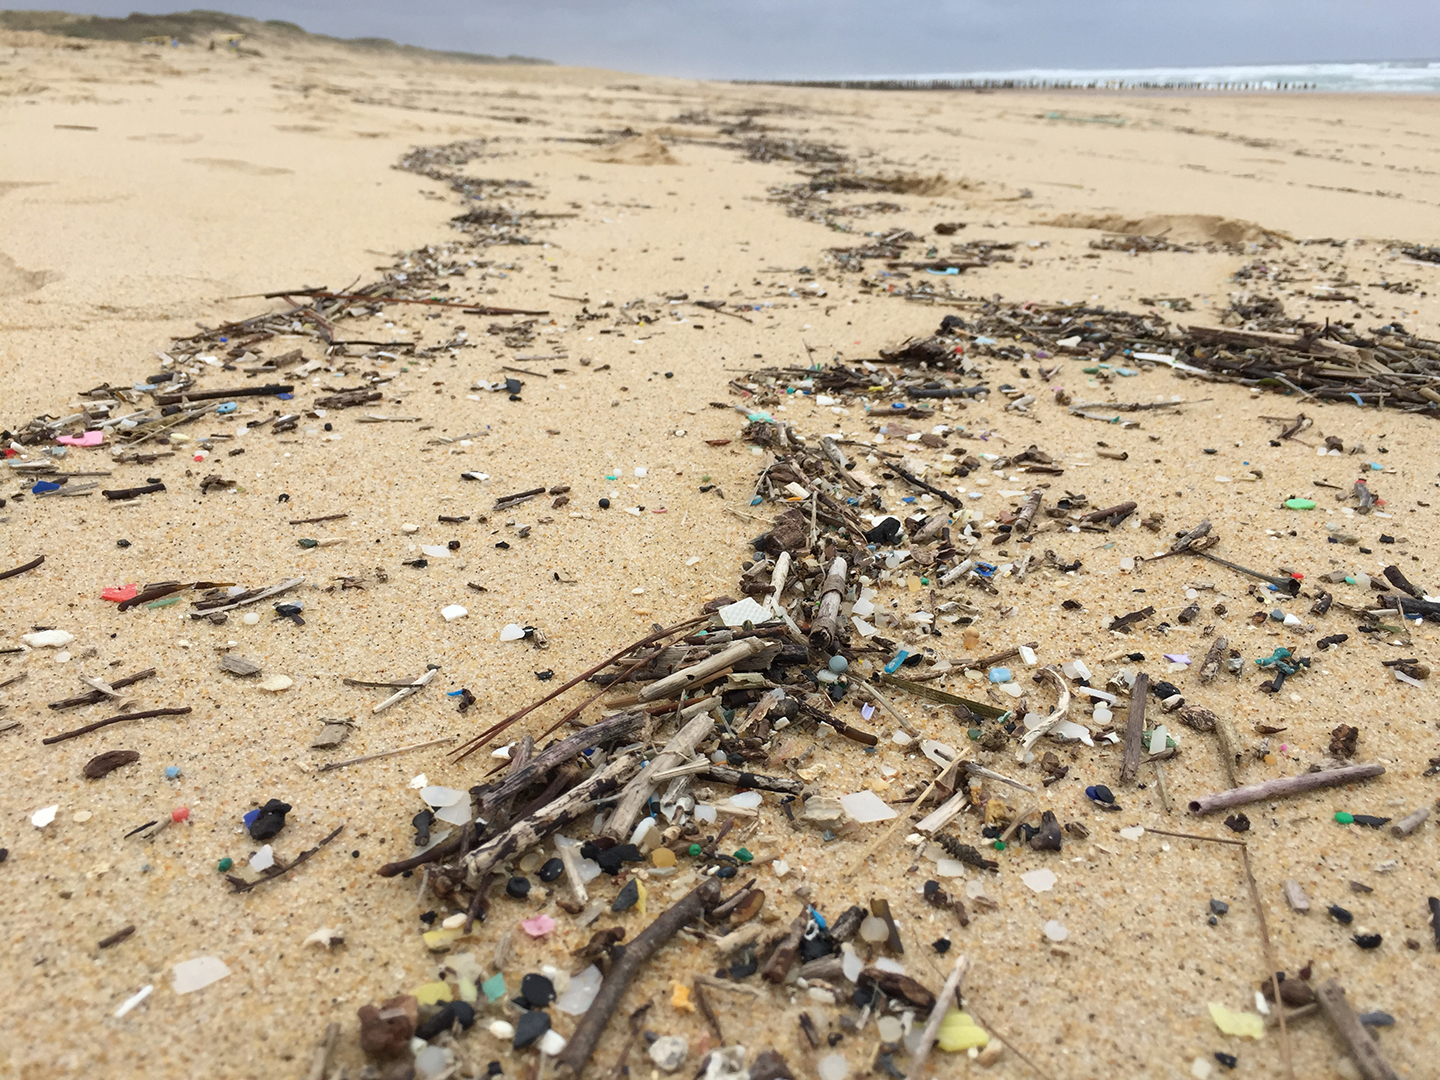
(122, 592)
(90, 438)
(538, 926)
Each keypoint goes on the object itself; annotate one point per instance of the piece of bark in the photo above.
(530, 830)
(238, 665)
(104, 764)
(1211, 665)
(778, 966)
(1135, 729)
(1358, 1041)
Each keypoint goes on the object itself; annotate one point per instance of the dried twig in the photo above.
(592, 1025)
(98, 724)
(241, 885)
(1285, 785)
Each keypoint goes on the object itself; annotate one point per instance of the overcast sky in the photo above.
(836, 38)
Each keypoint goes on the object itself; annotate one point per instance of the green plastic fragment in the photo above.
(975, 734)
(999, 845)
(224, 864)
(306, 542)
(494, 987)
(1343, 818)
(744, 855)
(694, 849)
(1300, 504)
(924, 581)
(163, 603)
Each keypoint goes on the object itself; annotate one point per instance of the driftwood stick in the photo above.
(680, 749)
(241, 885)
(1062, 708)
(1231, 753)
(612, 727)
(383, 754)
(571, 862)
(1352, 1033)
(825, 627)
(31, 565)
(1023, 521)
(98, 724)
(263, 594)
(1134, 728)
(434, 854)
(1284, 786)
(530, 830)
(777, 580)
(778, 966)
(1285, 1049)
(414, 688)
(1410, 822)
(592, 1025)
(94, 697)
(321, 1055)
(937, 1016)
(466, 749)
(687, 677)
(754, 781)
(1434, 903)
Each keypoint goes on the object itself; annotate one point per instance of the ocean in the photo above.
(1387, 76)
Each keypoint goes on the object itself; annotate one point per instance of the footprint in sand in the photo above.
(15, 280)
(235, 165)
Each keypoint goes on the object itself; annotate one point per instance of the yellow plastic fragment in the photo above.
(439, 940)
(958, 1031)
(1245, 1024)
(469, 992)
(640, 904)
(432, 993)
(680, 998)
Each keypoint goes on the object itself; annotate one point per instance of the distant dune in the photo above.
(190, 27)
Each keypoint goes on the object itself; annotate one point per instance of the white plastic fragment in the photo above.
(551, 1043)
(442, 796)
(433, 1062)
(501, 1030)
(581, 992)
(743, 611)
(512, 632)
(748, 800)
(192, 975)
(47, 639)
(326, 935)
(44, 817)
(419, 782)
(263, 859)
(435, 551)
(833, 1067)
(451, 612)
(1132, 832)
(1027, 656)
(1042, 880)
(135, 999)
(1055, 930)
(458, 814)
(276, 683)
(866, 806)
(669, 1052)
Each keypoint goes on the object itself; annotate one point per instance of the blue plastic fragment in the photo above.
(250, 817)
(756, 501)
(820, 922)
(172, 771)
(454, 693)
(227, 408)
(42, 486)
(286, 397)
(894, 665)
(1358, 400)
(1000, 675)
(985, 569)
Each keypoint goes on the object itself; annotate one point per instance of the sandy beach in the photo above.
(658, 229)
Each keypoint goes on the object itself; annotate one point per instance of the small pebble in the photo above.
(537, 991)
(1377, 1019)
(1218, 907)
(530, 1027)
(669, 1052)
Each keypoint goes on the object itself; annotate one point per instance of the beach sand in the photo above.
(145, 191)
